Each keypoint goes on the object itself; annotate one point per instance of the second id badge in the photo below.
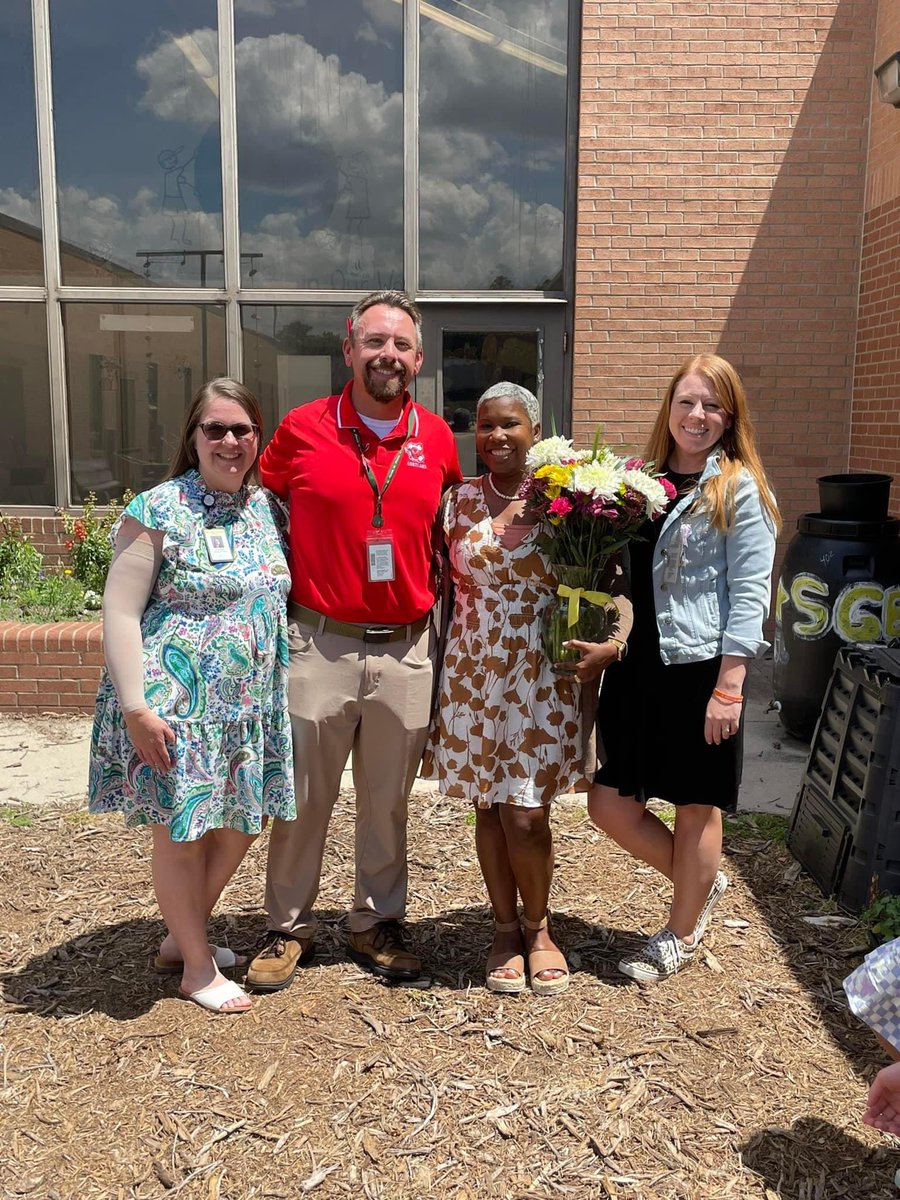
(676, 552)
(218, 545)
(380, 556)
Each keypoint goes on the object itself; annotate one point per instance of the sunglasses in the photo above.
(215, 431)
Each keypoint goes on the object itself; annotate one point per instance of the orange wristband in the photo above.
(727, 697)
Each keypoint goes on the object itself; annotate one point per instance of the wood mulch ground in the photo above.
(742, 1077)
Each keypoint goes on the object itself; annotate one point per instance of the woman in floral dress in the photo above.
(191, 732)
(509, 733)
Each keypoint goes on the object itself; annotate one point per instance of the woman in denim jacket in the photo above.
(700, 588)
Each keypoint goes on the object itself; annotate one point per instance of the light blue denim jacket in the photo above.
(712, 589)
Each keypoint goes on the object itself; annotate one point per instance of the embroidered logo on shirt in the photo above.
(415, 454)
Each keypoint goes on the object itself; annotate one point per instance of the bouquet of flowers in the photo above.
(589, 504)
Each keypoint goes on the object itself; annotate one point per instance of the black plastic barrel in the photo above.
(863, 496)
(839, 584)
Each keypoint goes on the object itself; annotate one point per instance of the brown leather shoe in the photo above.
(276, 964)
(381, 949)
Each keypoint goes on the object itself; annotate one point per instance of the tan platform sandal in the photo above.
(503, 959)
(545, 960)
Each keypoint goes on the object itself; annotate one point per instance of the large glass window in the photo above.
(333, 108)
(492, 144)
(136, 103)
(21, 252)
(320, 143)
(26, 448)
(132, 371)
(292, 354)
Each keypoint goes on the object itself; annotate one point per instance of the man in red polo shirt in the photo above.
(364, 473)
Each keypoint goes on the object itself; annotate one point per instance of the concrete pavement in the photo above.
(45, 759)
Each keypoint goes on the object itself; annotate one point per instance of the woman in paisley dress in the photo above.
(191, 733)
(509, 733)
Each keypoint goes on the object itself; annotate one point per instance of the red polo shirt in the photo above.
(314, 462)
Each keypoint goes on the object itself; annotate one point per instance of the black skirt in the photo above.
(650, 716)
(650, 720)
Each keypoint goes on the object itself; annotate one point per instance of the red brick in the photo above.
(716, 220)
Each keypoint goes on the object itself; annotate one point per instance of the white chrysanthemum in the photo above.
(649, 487)
(600, 477)
(552, 451)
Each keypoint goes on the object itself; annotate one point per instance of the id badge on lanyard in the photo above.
(380, 556)
(676, 551)
(218, 545)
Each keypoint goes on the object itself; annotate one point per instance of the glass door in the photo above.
(470, 348)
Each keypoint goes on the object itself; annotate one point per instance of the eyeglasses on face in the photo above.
(215, 431)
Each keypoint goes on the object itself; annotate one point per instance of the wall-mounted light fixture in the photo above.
(888, 76)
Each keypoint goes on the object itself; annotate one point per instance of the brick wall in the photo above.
(47, 535)
(875, 432)
(49, 668)
(721, 187)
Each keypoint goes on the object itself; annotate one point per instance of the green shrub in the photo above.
(882, 918)
(52, 598)
(28, 592)
(87, 540)
(20, 561)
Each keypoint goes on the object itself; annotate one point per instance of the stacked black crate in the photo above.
(845, 827)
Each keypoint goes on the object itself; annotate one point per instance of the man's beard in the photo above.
(386, 391)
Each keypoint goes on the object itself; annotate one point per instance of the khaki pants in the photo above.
(371, 700)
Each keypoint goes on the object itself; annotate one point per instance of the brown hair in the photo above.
(185, 456)
(737, 446)
(391, 299)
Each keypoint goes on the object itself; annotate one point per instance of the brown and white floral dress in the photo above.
(507, 731)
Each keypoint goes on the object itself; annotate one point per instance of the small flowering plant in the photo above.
(589, 504)
(87, 541)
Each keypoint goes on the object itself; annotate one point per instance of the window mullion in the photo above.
(411, 145)
(231, 232)
(40, 16)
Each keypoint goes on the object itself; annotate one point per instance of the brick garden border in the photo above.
(50, 668)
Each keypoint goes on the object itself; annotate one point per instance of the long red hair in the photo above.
(738, 444)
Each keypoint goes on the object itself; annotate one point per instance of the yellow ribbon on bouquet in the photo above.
(576, 594)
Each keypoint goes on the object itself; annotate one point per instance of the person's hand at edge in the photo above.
(883, 1105)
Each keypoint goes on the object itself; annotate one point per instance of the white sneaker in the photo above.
(661, 956)
(716, 892)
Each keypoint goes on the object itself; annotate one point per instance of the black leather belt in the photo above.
(361, 633)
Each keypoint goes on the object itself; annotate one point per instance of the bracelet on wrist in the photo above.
(621, 648)
(727, 697)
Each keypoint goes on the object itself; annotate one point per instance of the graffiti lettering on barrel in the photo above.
(863, 611)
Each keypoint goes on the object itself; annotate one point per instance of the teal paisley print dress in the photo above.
(215, 668)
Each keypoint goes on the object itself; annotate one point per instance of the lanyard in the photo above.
(378, 493)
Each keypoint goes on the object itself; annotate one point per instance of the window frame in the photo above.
(231, 295)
